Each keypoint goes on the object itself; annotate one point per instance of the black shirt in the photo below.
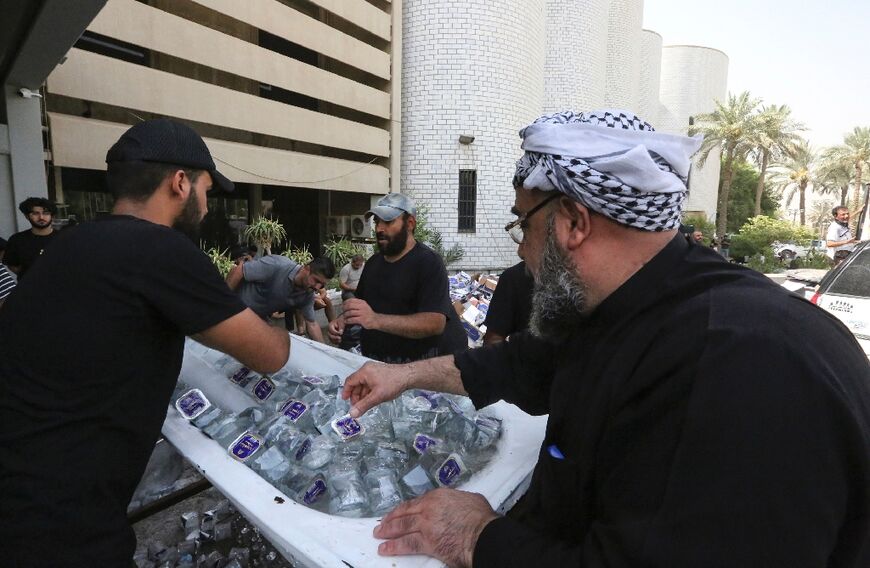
(706, 417)
(415, 283)
(85, 377)
(511, 302)
(25, 248)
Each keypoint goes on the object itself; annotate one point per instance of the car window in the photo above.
(854, 279)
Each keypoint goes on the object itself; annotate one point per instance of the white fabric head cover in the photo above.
(612, 162)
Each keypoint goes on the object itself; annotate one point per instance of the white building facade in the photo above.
(692, 78)
(473, 75)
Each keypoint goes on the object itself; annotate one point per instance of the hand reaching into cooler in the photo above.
(373, 384)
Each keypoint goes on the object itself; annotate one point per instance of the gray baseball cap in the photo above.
(391, 206)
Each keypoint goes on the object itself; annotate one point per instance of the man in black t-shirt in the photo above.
(511, 304)
(81, 407)
(402, 300)
(25, 247)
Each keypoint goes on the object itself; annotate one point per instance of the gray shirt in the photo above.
(268, 287)
(349, 275)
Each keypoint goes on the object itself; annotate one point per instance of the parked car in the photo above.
(791, 251)
(845, 293)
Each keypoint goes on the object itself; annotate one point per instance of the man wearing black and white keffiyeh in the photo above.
(699, 415)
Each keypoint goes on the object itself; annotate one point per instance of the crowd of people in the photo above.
(698, 414)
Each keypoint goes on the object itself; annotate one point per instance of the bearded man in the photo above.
(81, 405)
(699, 415)
(402, 300)
(26, 247)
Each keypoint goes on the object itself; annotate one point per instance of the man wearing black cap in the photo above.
(81, 407)
(402, 301)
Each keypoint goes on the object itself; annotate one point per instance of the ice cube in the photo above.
(320, 453)
(383, 488)
(271, 465)
(348, 497)
(417, 482)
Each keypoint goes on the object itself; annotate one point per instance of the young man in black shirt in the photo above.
(81, 406)
(511, 304)
(699, 414)
(24, 248)
(402, 300)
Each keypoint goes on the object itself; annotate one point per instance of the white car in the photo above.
(845, 293)
(791, 251)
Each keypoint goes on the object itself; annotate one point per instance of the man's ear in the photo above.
(177, 185)
(575, 220)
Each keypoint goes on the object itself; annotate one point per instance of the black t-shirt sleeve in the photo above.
(500, 317)
(184, 286)
(432, 295)
(519, 371)
(12, 256)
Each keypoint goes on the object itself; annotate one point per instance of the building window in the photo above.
(467, 201)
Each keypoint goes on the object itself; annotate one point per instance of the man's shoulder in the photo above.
(19, 236)
(425, 255)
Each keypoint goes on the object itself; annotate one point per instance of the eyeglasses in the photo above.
(515, 227)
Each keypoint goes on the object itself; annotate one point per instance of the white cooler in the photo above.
(308, 537)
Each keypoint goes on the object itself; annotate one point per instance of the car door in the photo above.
(846, 293)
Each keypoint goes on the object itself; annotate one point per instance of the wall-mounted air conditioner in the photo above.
(360, 226)
(338, 225)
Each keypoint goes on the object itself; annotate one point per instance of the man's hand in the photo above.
(373, 384)
(236, 275)
(444, 523)
(358, 311)
(335, 329)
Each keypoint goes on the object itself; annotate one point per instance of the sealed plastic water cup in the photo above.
(192, 403)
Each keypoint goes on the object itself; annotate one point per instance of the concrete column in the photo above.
(58, 184)
(255, 200)
(25, 155)
(396, 99)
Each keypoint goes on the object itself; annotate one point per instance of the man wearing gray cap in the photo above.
(402, 301)
(699, 415)
(81, 404)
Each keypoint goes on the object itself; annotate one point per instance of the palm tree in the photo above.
(730, 128)
(855, 150)
(834, 176)
(773, 139)
(820, 215)
(795, 173)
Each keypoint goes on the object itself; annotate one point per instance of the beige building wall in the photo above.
(286, 93)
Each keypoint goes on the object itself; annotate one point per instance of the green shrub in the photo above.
(813, 259)
(430, 237)
(759, 233)
(766, 262)
(221, 259)
(298, 255)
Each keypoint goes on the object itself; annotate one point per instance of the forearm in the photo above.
(438, 374)
(346, 287)
(314, 331)
(413, 326)
(235, 276)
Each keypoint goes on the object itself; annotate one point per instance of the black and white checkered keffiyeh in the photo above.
(612, 162)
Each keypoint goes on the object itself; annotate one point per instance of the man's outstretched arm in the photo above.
(375, 383)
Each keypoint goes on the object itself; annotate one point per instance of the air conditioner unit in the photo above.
(338, 225)
(360, 226)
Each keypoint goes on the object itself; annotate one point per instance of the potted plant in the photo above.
(221, 259)
(265, 232)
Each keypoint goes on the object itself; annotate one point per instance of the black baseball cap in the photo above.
(170, 142)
